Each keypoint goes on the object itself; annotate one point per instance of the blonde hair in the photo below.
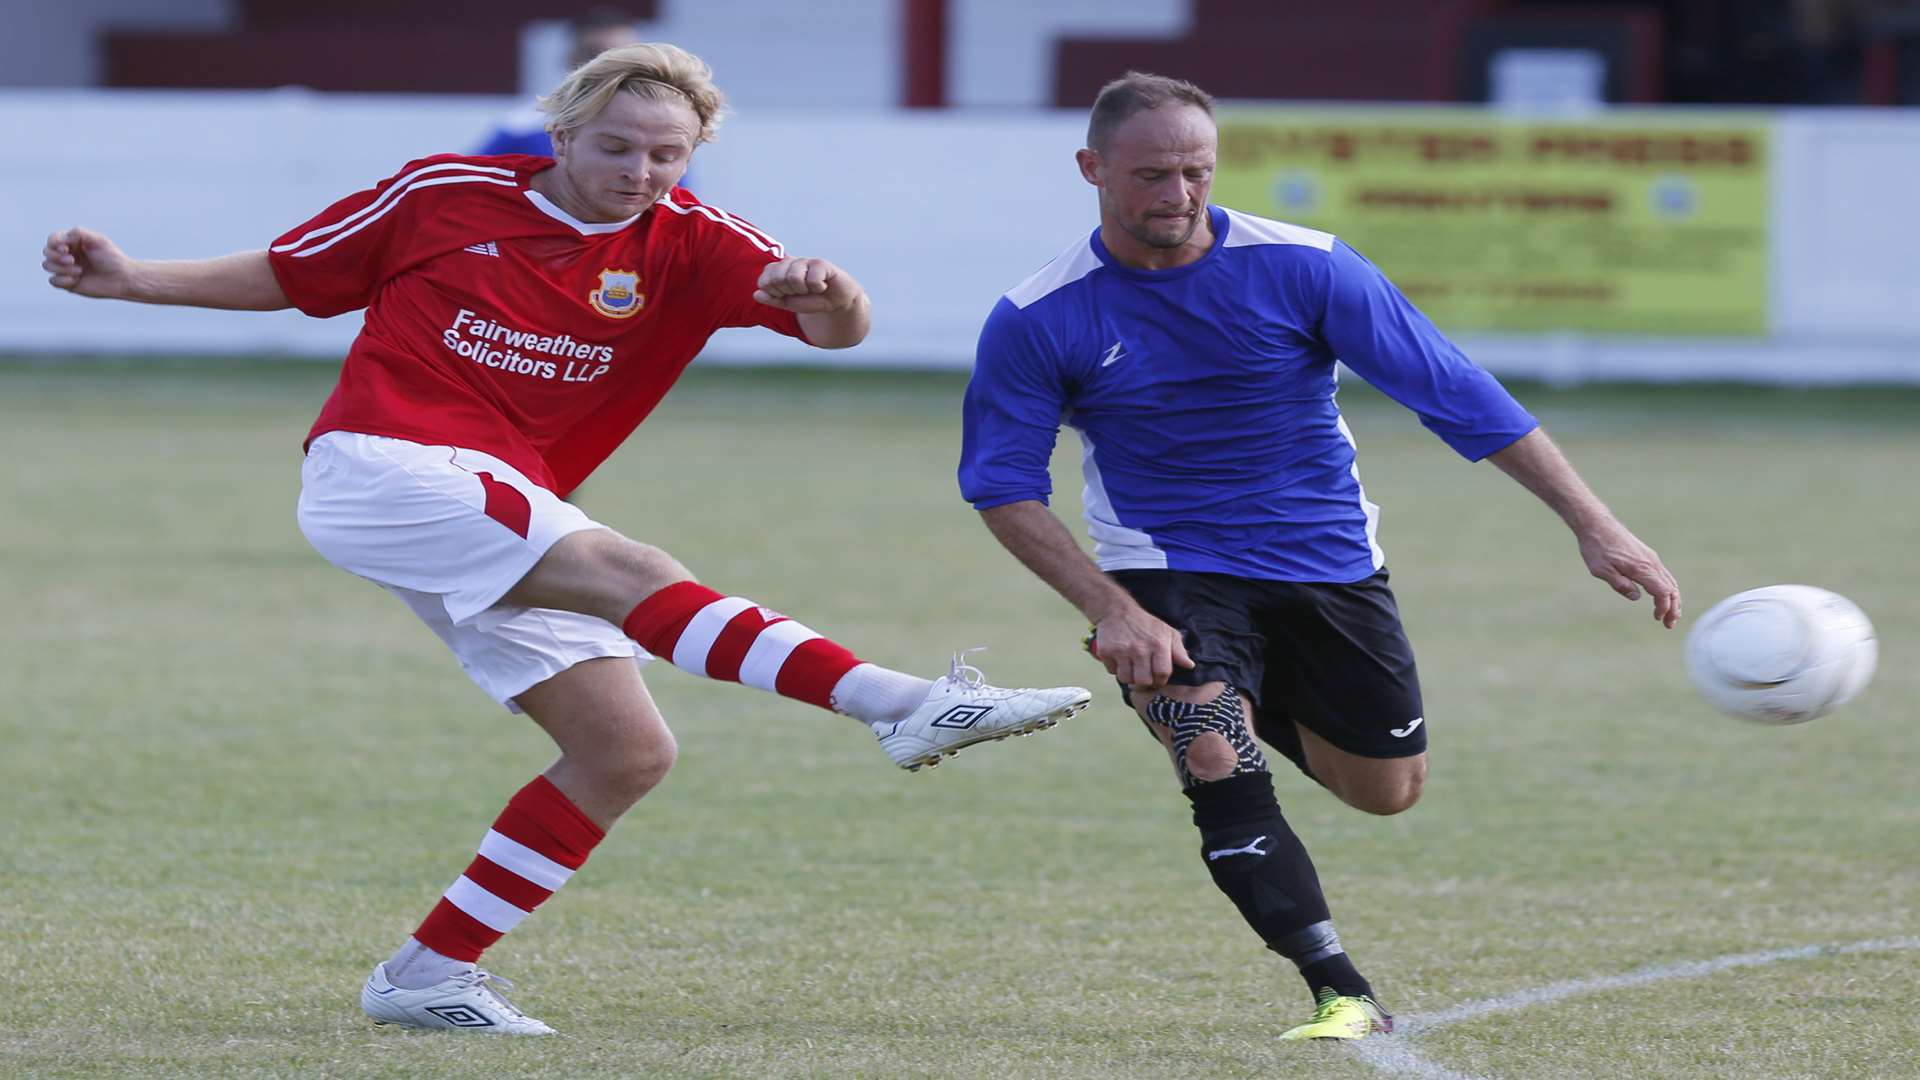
(654, 71)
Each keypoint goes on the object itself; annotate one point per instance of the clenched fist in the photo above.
(85, 262)
(807, 287)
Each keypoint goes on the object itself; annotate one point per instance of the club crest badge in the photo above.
(619, 295)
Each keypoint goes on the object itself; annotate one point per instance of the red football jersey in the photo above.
(498, 322)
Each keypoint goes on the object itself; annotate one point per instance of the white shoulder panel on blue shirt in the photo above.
(1066, 268)
(1248, 229)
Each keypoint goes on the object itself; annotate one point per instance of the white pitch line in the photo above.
(1395, 1055)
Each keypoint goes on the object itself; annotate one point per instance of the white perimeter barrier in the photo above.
(937, 213)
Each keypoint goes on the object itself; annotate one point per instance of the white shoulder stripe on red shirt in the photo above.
(743, 223)
(713, 213)
(410, 189)
(393, 194)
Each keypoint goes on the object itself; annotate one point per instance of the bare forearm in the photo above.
(1043, 545)
(87, 263)
(839, 329)
(833, 309)
(238, 282)
(1137, 648)
(1612, 553)
(1539, 466)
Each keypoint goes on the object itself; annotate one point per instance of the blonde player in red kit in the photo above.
(523, 316)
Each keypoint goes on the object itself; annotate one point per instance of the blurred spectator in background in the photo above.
(524, 130)
(1794, 52)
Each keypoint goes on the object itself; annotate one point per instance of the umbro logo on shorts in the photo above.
(460, 1016)
(961, 716)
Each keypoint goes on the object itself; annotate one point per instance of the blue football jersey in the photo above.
(1204, 400)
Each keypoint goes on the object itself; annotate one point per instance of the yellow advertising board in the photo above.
(1630, 224)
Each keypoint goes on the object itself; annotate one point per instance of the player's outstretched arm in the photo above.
(85, 262)
(1612, 553)
(1136, 648)
(833, 308)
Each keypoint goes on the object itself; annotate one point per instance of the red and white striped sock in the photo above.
(733, 639)
(537, 843)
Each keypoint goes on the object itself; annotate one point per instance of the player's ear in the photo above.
(1089, 165)
(562, 143)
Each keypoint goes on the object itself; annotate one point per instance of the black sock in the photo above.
(1263, 868)
(1338, 974)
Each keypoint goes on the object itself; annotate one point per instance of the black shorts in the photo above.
(1332, 657)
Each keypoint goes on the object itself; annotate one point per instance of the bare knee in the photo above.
(641, 566)
(1211, 757)
(1389, 795)
(628, 769)
(645, 764)
(1204, 729)
(1384, 803)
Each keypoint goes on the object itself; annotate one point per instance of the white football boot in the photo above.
(962, 709)
(470, 1001)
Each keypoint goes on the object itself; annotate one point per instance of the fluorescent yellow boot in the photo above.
(1343, 1018)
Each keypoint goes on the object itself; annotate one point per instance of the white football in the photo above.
(1781, 655)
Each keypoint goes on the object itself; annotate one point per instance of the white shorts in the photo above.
(450, 531)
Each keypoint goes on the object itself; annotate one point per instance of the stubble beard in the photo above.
(1143, 233)
(1138, 229)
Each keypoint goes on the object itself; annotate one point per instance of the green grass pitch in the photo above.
(232, 777)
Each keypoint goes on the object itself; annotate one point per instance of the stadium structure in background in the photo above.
(1597, 190)
(930, 53)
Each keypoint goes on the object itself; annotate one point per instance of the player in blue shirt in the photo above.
(1237, 588)
(590, 33)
